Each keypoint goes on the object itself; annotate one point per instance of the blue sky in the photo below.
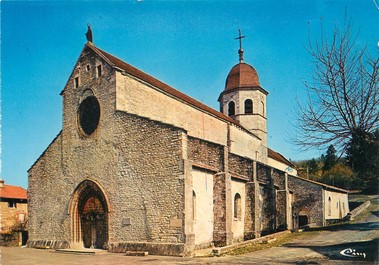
(187, 44)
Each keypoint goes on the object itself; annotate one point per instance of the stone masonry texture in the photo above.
(308, 197)
(146, 189)
(139, 163)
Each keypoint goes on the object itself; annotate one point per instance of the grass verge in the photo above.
(280, 241)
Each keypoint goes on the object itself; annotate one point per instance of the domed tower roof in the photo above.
(242, 75)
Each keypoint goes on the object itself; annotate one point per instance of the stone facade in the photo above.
(336, 205)
(13, 208)
(206, 154)
(307, 200)
(139, 165)
(13, 215)
(316, 203)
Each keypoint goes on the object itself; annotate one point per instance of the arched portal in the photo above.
(303, 217)
(303, 220)
(89, 216)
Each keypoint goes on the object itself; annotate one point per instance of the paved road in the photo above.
(358, 241)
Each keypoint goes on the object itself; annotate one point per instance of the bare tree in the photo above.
(343, 95)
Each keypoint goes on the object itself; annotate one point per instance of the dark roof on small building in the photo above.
(328, 187)
(278, 157)
(13, 192)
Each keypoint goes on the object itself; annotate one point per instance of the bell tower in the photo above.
(243, 98)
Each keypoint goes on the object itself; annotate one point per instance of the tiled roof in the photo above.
(322, 184)
(242, 75)
(278, 157)
(156, 83)
(13, 192)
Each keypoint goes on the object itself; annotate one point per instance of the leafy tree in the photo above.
(330, 159)
(341, 176)
(363, 157)
(312, 166)
(343, 94)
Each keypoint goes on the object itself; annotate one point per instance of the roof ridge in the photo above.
(13, 192)
(115, 61)
(322, 184)
(13, 186)
(289, 163)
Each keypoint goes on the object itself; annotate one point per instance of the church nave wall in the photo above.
(149, 182)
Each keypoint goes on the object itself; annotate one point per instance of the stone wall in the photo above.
(263, 173)
(48, 197)
(11, 239)
(272, 199)
(147, 101)
(10, 216)
(148, 188)
(206, 153)
(267, 210)
(240, 165)
(245, 144)
(219, 213)
(281, 210)
(307, 197)
(256, 122)
(137, 163)
(140, 156)
(249, 225)
(132, 191)
(278, 179)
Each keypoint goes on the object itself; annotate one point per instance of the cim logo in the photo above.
(352, 253)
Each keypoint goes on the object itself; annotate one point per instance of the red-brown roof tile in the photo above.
(324, 185)
(242, 75)
(278, 157)
(13, 192)
(156, 83)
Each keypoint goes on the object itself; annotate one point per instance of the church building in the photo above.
(138, 165)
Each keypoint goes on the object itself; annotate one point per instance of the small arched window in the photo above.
(329, 206)
(237, 206)
(231, 108)
(248, 106)
(193, 205)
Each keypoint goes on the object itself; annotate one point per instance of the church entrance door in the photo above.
(303, 220)
(93, 223)
(90, 216)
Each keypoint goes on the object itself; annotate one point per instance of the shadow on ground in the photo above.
(357, 227)
(360, 251)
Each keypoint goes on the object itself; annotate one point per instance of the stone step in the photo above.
(136, 253)
(268, 240)
(207, 252)
(84, 251)
(42, 247)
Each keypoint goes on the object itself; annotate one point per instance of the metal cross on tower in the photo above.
(240, 51)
